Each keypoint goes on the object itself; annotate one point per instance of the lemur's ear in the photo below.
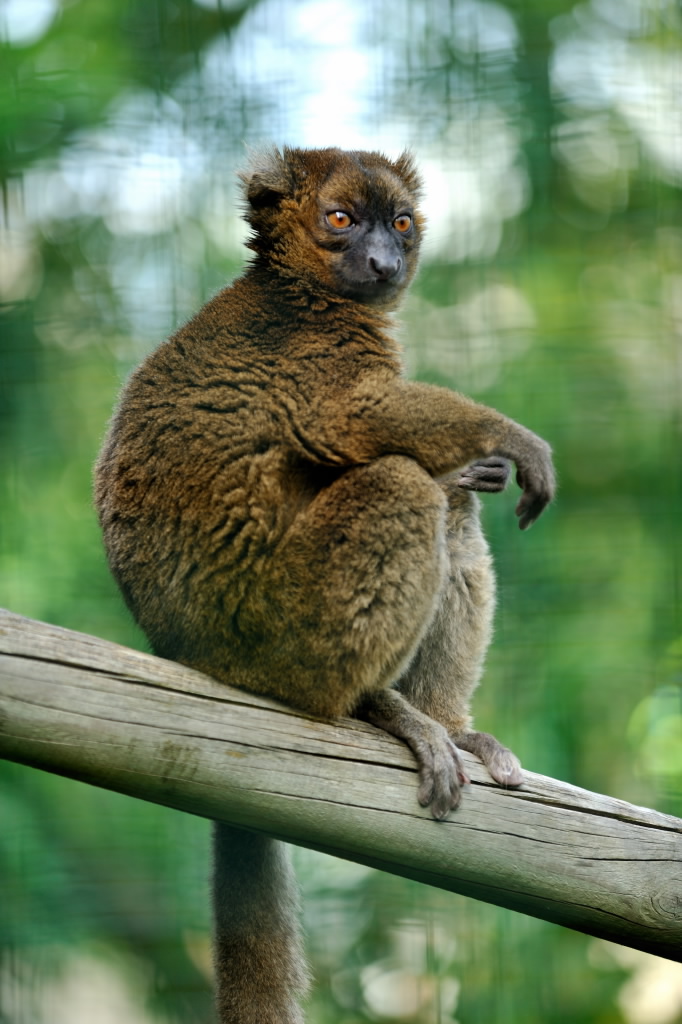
(407, 170)
(267, 179)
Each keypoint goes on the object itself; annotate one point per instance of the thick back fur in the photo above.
(232, 427)
(282, 510)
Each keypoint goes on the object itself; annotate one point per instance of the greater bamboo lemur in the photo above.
(284, 511)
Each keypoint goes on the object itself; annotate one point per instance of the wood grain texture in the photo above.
(104, 714)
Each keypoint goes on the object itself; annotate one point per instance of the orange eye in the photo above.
(403, 223)
(339, 219)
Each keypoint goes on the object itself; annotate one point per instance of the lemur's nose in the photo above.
(384, 269)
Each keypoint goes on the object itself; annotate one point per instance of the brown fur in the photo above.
(282, 510)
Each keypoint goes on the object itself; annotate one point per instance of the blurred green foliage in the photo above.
(549, 133)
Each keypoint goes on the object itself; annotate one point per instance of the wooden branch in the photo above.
(95, 711)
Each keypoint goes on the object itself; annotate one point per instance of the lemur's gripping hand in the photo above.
(489, 475)
(535, 476)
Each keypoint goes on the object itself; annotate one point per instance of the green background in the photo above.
(550, 135)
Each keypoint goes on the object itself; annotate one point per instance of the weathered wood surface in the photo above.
(95, 711)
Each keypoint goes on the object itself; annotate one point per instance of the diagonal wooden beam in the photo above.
(95, 711)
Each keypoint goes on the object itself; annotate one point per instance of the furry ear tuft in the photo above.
(407, 169)
(267, 179)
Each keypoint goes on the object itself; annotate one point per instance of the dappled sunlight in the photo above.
(87, 988)
(473, 340)
(652, 993)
